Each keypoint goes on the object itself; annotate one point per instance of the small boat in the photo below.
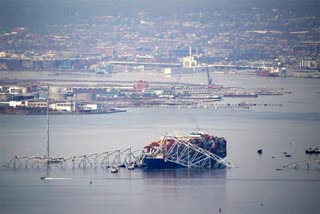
(131, 167)
(114, 170)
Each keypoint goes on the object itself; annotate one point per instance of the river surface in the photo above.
(255, 186)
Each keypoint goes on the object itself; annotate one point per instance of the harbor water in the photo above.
(255, 186)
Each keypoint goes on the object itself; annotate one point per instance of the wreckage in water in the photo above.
(198, 150)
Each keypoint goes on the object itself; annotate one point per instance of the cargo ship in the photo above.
(240, 95)
(267, 72)
(197, 150)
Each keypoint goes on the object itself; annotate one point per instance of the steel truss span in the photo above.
(305, 164)
(116, 158)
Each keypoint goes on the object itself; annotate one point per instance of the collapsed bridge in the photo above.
(198, 150)
(116, 158)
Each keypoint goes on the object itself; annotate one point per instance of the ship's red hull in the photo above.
(266, 73)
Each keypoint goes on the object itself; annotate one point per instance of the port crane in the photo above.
(175, 83)
(210, 81)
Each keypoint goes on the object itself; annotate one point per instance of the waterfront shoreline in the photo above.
(59, 113)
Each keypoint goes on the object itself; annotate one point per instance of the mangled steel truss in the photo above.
(189, 155)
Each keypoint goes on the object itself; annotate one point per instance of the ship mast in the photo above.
(48, 147)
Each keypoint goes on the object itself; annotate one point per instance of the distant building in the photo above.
(35, 104)
(63, 106)
(13, 104)
(89, 107)
(17, 90)
(309, 64)
(140, 85)
(189, 62)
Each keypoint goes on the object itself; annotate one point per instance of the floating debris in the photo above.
(259, 151)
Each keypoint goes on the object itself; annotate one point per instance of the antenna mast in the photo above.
(48, 147)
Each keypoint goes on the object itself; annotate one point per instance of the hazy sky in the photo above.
(38, 13)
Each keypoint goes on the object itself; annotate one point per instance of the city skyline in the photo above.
(37, 14)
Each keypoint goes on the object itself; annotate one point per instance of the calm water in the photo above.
(254, 187)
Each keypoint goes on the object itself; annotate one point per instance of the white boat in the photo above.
(131, 167)
(114, 170)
